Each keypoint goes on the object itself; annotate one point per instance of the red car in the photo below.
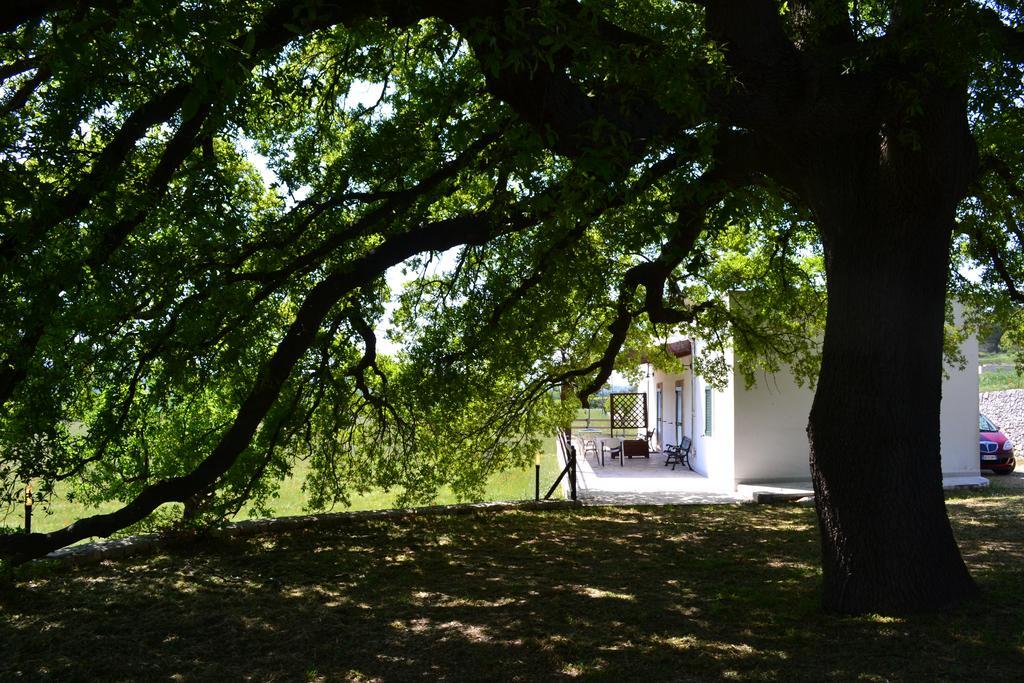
(996, 449)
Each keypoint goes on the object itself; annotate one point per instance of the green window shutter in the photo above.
(707, 411)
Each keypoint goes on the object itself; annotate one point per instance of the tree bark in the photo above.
(887, 544)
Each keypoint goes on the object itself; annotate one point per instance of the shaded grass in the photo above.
(656, 593)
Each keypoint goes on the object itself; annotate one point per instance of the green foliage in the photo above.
(176, 186)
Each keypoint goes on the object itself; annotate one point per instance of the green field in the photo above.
(681, 593)
(510, 485)
(1000, 380)
(999, 357)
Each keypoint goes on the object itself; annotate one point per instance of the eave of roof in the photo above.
(679, 349)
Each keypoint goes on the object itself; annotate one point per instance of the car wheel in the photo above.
(1008, 470)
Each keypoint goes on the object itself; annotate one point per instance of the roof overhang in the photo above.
(679, 349)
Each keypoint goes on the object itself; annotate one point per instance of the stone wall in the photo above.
(1006, 409)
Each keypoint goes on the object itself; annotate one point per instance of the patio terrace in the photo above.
(641, 481)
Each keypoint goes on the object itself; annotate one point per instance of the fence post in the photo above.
(536, 474)
(572, 472)
(28, 508)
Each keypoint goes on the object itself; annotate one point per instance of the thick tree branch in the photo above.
(733, 169)
(17, 12)
(544, 95)
(19, 66)
(269, 36)
(822, 25)
(16, 360)
(995, 164)
(1008, 39)
(19, 98)
(103, 171)
(395, 203)
(657, 171)
(438, 236)
(753, 33)
(368, 361)
(1004, 274)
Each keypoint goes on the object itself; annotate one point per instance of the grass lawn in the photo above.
(509, 485)
(667, 593)
(1000, 380)
(1005, 357)
(595, 418)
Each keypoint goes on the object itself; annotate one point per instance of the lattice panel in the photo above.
(629, 411)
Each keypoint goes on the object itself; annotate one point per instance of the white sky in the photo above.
(397, 279)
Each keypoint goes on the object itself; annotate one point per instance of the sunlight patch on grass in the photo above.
(718, 648)
(444, 600)
(252, 623)
(592, 592)
(682, 642)
(474, 633)
(803, 567)
(883, 619)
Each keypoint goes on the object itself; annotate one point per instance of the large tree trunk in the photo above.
(887, 544)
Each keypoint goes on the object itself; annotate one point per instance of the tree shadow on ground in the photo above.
(686, 593)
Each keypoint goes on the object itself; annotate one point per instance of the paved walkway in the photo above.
(643, 481)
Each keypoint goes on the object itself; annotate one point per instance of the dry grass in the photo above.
(684, 593)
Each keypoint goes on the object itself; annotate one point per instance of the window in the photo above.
(679, 414)
(707, 411)
(658, 415)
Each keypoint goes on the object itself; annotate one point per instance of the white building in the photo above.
(758, 436)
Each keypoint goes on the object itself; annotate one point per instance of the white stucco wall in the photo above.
(771, 422)
(959, 428)
(712, 455)
(715, 452)
(759, 434)
(771, 429)
(668, 382)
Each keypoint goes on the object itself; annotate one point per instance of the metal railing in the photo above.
(566, 447)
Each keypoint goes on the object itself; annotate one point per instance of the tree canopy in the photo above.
(201, 202)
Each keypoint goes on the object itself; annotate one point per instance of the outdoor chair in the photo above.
(679, 454)
(613, 452)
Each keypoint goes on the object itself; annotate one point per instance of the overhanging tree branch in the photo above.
(734, 166)
(1009, 40)
(438, 236)
(273, 32)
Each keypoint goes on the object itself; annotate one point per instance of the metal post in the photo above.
(536, 473)
(572, 472)
(28, 508)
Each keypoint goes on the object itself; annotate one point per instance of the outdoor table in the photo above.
(594, 435)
